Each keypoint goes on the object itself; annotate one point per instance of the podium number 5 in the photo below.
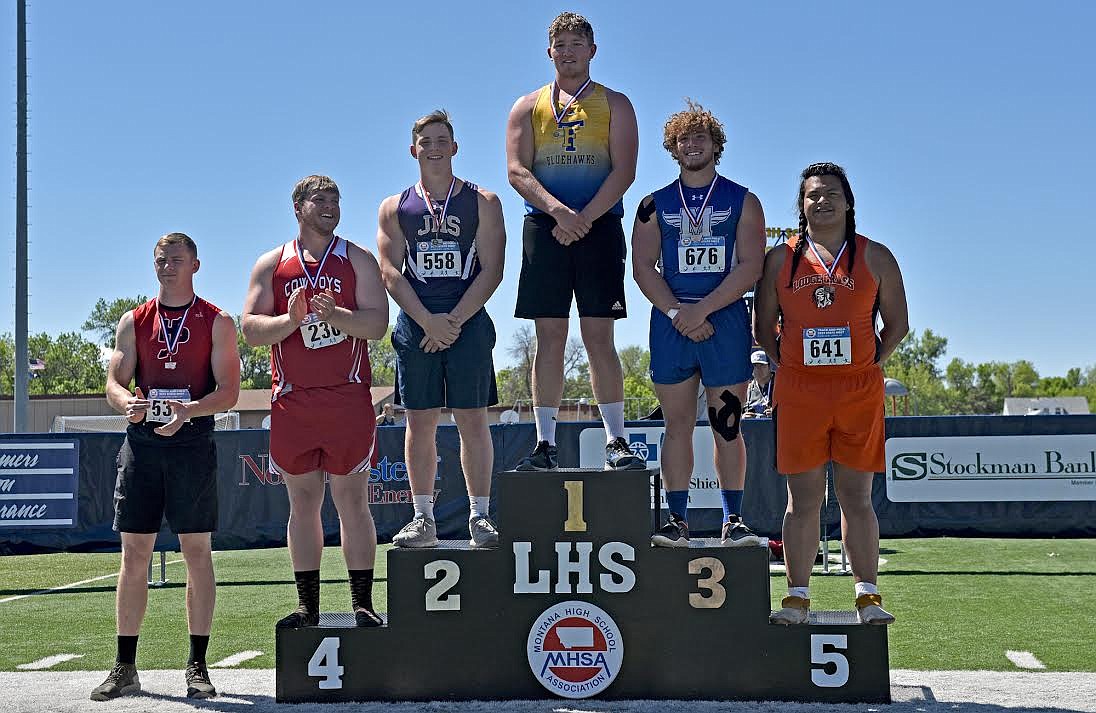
(717, 594)
(437, 596)
(819, 655)
(325, 664)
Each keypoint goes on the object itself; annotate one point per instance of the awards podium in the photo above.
(576, 603)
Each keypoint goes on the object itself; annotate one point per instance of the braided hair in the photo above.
(825, 169)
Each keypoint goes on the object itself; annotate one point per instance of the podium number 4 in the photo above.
(437, 596)
(819, 655)
(324, 664)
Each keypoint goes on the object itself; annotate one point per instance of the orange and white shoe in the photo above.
(794, 610)
(869, 610)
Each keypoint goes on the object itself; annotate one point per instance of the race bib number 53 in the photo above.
(827, 346)
(318, 334)
(159, 411)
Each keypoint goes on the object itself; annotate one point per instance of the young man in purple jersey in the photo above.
(441, 244)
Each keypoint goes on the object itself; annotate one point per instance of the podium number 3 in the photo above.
(437, 596)
(574, 522)
(325, 664)
(717, 595)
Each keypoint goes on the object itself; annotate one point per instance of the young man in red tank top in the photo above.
(181, 352)
(317, 300)
(815, 315)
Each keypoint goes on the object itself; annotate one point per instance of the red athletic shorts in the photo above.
(328, 428)
(824, 418)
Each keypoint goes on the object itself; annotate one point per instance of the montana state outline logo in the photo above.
(575, 649)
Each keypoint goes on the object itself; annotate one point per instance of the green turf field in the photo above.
(960, 603)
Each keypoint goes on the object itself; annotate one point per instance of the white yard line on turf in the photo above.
(236, 659)
(1024, 659)
(48, 662)
(69, 586)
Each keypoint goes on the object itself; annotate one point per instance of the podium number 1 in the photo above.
(325, 664)
(574, 522)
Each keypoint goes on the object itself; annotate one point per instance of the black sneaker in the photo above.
(121, 680)
(367, 618)
(298, 619)
(197, 681)
(543, 457)
(675, 533)
(736, 534)
(618, 456)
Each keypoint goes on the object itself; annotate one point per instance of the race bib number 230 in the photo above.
(318, 334)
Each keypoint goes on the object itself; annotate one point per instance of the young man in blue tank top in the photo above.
(441, 245)
(707, 234)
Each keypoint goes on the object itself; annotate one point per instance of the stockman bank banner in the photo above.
(991, 468)
(38, 483)
(646, 443)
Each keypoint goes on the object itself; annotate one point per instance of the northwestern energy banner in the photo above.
(992, 468)
(38, 483)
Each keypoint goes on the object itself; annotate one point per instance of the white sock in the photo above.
(613, 417)
(546, 423)
(424, 506)
(801, 592)
(478, 505)
(866, 588)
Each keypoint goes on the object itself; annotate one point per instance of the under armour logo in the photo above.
(696, 196)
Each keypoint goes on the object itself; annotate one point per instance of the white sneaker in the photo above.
(869, 610)
(794, 610)
(420, 532)
(483, 532)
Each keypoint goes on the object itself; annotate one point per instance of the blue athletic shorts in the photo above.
(462, 376)
(722, 360)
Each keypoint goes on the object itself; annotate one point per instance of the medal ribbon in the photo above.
(173, 344)
(828, 268)
(319, 271)
(555, 100)
(439, 220)
(695, 220)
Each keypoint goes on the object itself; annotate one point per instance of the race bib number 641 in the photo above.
(827, 346)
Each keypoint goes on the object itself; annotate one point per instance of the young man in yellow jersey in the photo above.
(571, 153)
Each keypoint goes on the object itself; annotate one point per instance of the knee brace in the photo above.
(728, 418)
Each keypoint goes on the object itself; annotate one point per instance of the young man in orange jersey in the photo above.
(316, 300)
(442, 243)
(815, 316)
(181, 352)
(571, 154)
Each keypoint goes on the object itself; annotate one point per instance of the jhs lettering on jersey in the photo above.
(450, 226)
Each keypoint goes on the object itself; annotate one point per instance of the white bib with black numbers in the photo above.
(701, 254)
(318, 334)
(438, 258)
(827, 346)
(159, 411)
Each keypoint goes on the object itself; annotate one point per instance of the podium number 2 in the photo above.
(819, 655)
(325, 664)
(717, 594)
(574, 522)
(437, 596)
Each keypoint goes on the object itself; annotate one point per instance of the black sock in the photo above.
(361, 588)
(127, 649)
(308, 590)
(198, 646)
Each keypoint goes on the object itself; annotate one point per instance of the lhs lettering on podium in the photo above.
(573, 562)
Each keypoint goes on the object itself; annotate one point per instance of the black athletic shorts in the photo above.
(177, 481)
(591, 269)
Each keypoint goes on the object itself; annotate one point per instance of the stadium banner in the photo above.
(39, 486)
(254, 509)
(992, 468)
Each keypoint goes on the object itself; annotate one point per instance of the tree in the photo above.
(382, 358)
(254, 362)
(635, 362)
(925, 351)
(515, 382)
(7, 365)
(104, 317)
(73, 365)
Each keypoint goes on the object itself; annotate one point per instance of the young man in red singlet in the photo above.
(181, 352)
(826, 290)
(316, 300)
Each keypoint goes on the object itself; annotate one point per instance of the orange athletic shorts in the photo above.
(823, 418)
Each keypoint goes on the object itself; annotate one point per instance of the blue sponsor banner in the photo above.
(38, 483)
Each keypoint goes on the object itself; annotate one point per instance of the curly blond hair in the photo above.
(695, 118)
(570, 22)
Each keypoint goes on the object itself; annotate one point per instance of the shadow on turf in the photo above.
(171, 585)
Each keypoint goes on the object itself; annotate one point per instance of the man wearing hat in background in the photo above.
(760, 391)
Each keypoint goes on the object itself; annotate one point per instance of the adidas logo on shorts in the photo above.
(617, 305)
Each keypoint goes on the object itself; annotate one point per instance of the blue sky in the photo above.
(965, 129)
